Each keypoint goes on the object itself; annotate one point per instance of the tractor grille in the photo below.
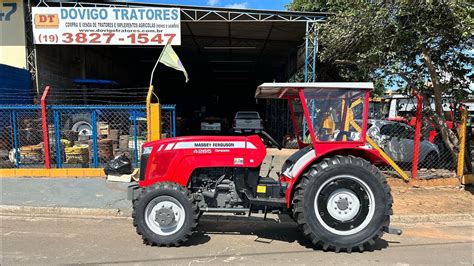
(143, 164)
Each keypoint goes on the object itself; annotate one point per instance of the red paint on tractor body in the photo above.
(175, 159)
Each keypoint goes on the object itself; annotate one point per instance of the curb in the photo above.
(117, 213)
(425, 183)
(430, 218)
(53, 173)
(60, 211)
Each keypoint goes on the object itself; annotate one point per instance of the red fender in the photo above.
(364, 152)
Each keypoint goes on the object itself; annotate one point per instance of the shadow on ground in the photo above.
(469, 188)
(265, 231)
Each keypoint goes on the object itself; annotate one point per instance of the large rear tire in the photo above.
(343, 203)
(165, 214)
(80, 123)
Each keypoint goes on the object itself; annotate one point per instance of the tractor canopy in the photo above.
(285, 90)
(324, 112)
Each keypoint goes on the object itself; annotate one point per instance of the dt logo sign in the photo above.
(49, 21)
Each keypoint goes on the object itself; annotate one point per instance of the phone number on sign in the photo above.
(106, 38)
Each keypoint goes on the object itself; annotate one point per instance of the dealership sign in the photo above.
(106, 26)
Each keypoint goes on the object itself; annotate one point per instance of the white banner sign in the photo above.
(106, 26)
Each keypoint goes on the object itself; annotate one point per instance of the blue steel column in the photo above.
(174, 121)
(306, 52)
(315, 58)
(306, 43)
(311, 49)
(57, 137)
(95, 152)
(315, 50)
(15, 140)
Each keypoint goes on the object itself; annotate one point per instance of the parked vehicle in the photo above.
(397, 140)
(212, 126)
(247, 121)
(331, 188)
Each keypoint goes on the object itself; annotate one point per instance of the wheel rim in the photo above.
(164, 215)
(344, 205)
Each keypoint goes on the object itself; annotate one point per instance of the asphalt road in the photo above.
(220, 240)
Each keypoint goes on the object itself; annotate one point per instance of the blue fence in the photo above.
(79, 136)
(20, 126)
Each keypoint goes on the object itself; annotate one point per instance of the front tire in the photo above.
(165, 214)
(343, 203)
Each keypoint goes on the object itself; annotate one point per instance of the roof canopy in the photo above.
(233, 47)
(282, 90)
(190, 13)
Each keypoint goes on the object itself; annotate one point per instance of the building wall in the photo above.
(12, 34)
(15, 85)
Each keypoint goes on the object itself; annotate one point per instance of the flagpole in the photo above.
(149, 94)
(156, 64)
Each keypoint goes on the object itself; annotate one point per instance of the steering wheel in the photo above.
(271, 140)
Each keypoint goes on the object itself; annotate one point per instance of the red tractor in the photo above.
(330, 186)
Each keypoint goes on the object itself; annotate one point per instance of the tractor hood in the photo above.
(216, 142)
(174, 159)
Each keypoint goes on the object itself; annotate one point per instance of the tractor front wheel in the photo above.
(165, 214)
(343, 203)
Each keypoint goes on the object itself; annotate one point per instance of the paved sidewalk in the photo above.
(69, 193)
(101, 197)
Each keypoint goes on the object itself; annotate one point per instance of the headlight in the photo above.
(146, 150)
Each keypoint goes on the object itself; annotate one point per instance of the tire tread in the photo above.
(159, 186)
(323, 166)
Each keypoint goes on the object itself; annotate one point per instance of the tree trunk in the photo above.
(449, 138)
(437, 91)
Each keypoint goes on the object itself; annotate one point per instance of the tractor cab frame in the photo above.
(324, 113)
(329, 118)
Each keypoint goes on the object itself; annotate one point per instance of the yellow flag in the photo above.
(171, 59)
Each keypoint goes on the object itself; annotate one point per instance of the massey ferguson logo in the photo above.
(48, 21)
(214, 144)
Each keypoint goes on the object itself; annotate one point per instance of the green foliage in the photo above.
(425, 46)
(317, 5)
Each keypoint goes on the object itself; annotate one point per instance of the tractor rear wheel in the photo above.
(343, 203)
(165, 214)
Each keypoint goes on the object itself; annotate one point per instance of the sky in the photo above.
(252, 4)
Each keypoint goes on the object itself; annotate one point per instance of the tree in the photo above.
(423, 46)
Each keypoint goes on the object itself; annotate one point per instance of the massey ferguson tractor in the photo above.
(330, 186)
